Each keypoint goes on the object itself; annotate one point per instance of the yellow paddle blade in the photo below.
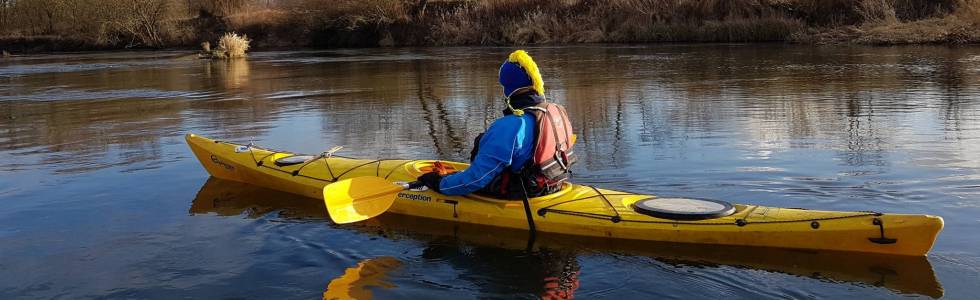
(358, 199)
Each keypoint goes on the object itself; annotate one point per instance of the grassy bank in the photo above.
(51, 25)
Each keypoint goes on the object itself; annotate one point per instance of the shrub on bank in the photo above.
(230, 45)
(233, 45)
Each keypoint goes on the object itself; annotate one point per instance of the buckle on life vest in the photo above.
(562, 159)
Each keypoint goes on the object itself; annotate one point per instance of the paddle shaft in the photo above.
(405, 186)
(412, 185)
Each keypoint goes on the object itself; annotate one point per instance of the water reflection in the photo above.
(780, 98)
(503, 273)
(496, 270)
(556, 255)
(844, 128)
(357, 281)
(435, 115)
(229, 198)
(228, 73)
(497, 260)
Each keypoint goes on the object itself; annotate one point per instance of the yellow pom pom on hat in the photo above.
(522, 58)
(520, 71)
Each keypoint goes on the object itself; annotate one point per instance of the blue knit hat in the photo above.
(513, 77)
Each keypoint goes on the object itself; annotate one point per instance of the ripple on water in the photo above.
(29, 69)
(649, 278)
(300, 94)
(340, 57)
(64, 93)
(23, 70)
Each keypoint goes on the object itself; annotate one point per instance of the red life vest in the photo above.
(553, 154)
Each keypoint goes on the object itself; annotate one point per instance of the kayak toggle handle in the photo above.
(329, 153)
(881, 240)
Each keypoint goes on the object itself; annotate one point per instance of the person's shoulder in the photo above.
(508, 123)
(512, 120)
(508, 119)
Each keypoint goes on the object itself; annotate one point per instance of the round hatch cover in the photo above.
(293, 160)
(683, 208)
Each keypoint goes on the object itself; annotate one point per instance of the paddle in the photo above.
(358, 199)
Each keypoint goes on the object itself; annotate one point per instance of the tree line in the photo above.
(125, 23)
(304, 23)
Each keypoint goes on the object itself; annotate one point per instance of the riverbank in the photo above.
(32, 26)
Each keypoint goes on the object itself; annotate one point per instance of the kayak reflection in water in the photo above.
(507, 273)
(563, 285)
(502, 252)
(356, 281)
(548, 274)
(525, 153)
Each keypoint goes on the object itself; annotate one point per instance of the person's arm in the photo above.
(494, 156)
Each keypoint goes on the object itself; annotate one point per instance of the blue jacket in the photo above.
(507, 145)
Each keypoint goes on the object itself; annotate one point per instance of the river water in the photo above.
(102, 198)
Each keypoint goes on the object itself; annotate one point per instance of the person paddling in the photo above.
(525, 153)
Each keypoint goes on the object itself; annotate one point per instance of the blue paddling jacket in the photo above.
(504, 149)
(506, 146)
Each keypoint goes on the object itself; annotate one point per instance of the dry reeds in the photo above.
(230, 45)
(962, 26)
(161, 23)
(233, 45)
(557, 21)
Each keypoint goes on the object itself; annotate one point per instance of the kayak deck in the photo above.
(581, 210)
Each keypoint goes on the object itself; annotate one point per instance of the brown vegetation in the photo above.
(93, 24)
(556, 21)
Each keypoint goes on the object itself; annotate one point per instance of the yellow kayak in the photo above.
(577, 210)
(905, 274)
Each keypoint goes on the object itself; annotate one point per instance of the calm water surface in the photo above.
(101, 198)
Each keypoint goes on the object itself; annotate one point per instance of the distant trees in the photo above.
(103, 21)
(145, 23)
(223, 7)
(5, 8)
(152, 22)
(278, 23)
